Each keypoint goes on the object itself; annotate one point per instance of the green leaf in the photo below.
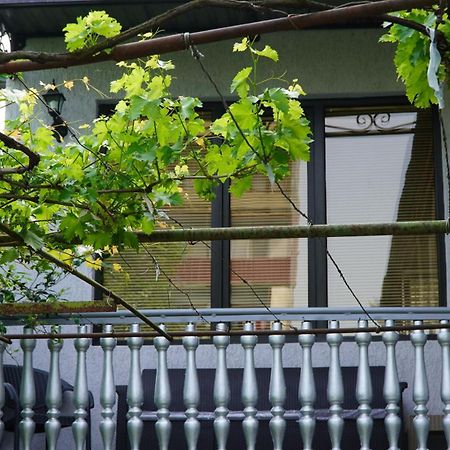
(240, 82)
(245, 114)
(205, 188)
(241, 46)
(148, 223)
(86, 30)
(188, 105)
(267, 52)
(99, 240)
(277, 97)
(71, 227)
(10, 255)
(412, 56)
(241, 185)
(32, 239)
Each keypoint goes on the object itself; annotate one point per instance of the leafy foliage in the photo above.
(87, 30)
(88, 195)
(126, 169)
(412, 55)
(32, 281)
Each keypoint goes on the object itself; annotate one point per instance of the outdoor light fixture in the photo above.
(54, 101)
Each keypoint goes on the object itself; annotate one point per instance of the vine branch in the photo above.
(33, 158)
(176, 42)
(95, 284)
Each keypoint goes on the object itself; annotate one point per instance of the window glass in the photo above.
(380, 168)
(277, 269)
(168, 275)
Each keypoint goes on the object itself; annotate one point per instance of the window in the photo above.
(371, 161)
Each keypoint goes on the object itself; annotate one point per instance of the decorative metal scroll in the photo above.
(371, 123)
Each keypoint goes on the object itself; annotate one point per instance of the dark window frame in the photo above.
(316, 186)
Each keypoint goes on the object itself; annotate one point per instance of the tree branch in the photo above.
(33, 158)
(177, 42)
(67, 268)
(37, 200)
(158, 21)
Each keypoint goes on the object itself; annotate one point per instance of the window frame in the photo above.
(315, 110)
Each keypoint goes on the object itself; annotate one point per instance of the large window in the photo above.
(371, 161)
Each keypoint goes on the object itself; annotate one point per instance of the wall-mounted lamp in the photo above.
(54, 101)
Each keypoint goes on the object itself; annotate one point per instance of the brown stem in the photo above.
(33, 158)
(37, 200)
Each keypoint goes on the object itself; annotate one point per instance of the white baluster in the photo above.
(249, 388)
(221, 389)
(107, 392)
(191, 390)
(391, 388)
(53, 395)
(444, 341)
(421, 421)
(307, 389)
(135, 390)
(80, 391)
(2, 389)
(277, 389)
(335, 389)
(364, 421)
(27, 391)
(162, 393)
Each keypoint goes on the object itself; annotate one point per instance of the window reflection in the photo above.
(277, 269)
(380, 168)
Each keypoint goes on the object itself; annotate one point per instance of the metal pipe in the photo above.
(211, 333)
(241, 314)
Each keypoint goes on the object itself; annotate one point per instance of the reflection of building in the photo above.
(381, 167)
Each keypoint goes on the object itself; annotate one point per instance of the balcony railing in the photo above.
(404, 358)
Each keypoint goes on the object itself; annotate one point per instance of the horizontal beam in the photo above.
(297, 231)
(212, 333)
(215, 315)
(276, 232)
(178, 42)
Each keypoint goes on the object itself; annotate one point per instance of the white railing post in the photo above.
(444, 341)
(27, 391)
(364, 421)
(135, 390)
(421, 421)
(249, 389)
(107, 392)
(53, 395)
(335, 389)
(162, 393)
(277, 389)
(221, 389)
(391, 388)
(307, 389)
(191, 390)
(80, 391)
